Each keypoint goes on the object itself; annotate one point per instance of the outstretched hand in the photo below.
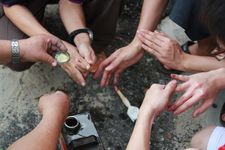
(117, 62)
(201, 87)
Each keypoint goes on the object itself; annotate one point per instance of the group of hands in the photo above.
(195, 88)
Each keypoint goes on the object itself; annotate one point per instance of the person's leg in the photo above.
(200, 140)
(54, 108)
(101, 17)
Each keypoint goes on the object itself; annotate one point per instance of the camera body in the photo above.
(80, 133)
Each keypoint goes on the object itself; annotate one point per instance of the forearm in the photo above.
(151, 13)
(5, 54)
(73, 18)
(24, 20)
(194, 63)
(150, 16)
(43, 137)
(140, 138)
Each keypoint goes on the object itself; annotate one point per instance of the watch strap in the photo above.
(15, 50)
(73, 34)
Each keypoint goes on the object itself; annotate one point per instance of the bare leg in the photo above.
(201, 139)
(54, 108)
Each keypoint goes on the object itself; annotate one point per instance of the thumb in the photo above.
(48, 59)
(171, 87)
(88, 57)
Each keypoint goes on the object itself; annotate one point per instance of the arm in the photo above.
(171, 55)
(54, 108)
(40, 46)
(29, 25)
(141, 132)
(5, 55)
(82, 40)
(194, 63)
(117, 62)
(156, 100)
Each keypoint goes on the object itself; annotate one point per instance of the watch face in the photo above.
(62, 57)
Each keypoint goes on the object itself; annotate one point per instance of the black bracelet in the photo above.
(73, 34)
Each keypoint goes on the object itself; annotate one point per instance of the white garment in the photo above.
(217, 139)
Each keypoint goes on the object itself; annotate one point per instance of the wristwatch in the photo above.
(76, 32)
(15, 49)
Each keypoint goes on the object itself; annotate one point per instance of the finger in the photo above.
(185, 97)
(105, 63)
(150, 50)
(188, 104)
(202, 107)
(114, 64)
(170, 88)
(93, 57)
(57, 44)
(149, 42)
(82, 64)
(153, 37)
(108, 79)
(117, 76)
(48, 59)
(104, 78)
(182, 87)
(77, 77)
(179, 77)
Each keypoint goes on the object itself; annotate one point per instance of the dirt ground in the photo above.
(20, 91)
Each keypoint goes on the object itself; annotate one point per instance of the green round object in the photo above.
(62, 57)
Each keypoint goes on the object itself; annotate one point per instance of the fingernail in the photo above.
(108, 68)
(88, 67)
(54, 64)
(174, 81)
(83, 84)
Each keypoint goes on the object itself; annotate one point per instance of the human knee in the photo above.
(200, 139)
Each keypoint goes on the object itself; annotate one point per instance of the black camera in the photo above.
(80, 133)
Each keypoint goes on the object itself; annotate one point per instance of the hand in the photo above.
(77, 68)
(202, 87)
(165, 49)
(83, 44)
(87, 53)
(38, 48)
(117, 62)
(157, 97)
(56, 103)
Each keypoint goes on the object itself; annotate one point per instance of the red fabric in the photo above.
(222, 148)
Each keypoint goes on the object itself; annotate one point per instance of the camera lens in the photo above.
(72, 124)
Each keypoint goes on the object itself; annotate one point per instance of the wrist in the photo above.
(218, 77)
(82, 38)
(23, 48)
(147, 112)
(137, 43)
(184, 61)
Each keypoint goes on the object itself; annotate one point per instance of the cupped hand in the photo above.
(201, 87)
(157, 97)
(117, 62)
(39, 48)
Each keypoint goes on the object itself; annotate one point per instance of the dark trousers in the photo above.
(101, 17)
